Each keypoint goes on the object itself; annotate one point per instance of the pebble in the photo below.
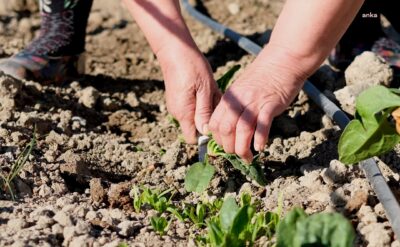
(233, 8)
(63, 219)
(16, 224)
(128, 228)
(88, 97)
(368, 68)
(335, 173)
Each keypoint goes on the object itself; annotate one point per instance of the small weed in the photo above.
(159, 224)
(17, 166)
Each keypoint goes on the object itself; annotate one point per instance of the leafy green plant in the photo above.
(298, 229)
(123, 244)
(239, 225)
(195, 214)
(152, 197)
(253, 170)
(199, 176)
(371, 133)
(17, 166)
(159, 224)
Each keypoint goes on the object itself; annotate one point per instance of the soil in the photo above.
(110, 129)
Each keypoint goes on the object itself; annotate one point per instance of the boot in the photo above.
(57, 54)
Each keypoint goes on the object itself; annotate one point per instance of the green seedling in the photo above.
(17, 166)
(372, 132)
(239, 225)
(253, 170)
(195, 214)
(154, 198)
(159, 224)
(298, 229)
(173, 121)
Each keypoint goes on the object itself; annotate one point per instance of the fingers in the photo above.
(223, 122)
(244, 133)
(204, 108)
(188, 128)
(264, 122)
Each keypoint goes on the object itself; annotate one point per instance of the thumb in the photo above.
(204, 109)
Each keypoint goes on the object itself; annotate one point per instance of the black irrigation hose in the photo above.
(371, 169)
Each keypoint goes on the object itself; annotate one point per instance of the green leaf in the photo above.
(198, 177)
(215, 234)
(242, 220)
(371, 133)
(228, 213)
(225, 81)
(175, 212)
(287, 228)
(322, 229)
(159, 224)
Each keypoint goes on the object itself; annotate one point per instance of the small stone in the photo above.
(380, 211)
(63, 219)
(9, 86)
(68, 233)
(92, 215)
(82, 227)
(84, 240)
(57, 229)
(233, 8)
(359, 198)
(368, 68)
(97, 191)
(347, 96)
(376, 234)
(132, 100)
(336, 173)
(16, 224)
(44, 222)
(88, 97)
(367, 215)
(117, 214)
(128, 228)
(44, 190)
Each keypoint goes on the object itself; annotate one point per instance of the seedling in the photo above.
(238, 225)
(159, 224)
(17, 166)
(372, 132)
(154, 198)
(195, 214)
(323, 229)
(200, 174)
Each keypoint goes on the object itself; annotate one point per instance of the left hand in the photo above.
(249, 106)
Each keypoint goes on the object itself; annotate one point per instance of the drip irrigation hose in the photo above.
(371, 169)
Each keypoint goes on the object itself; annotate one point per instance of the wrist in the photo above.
(294, 64)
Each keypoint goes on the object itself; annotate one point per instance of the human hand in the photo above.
(247, 109)
(191, 92)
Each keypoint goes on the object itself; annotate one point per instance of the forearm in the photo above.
(163, 25)
(306, 31)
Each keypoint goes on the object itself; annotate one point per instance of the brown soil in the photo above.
(106, 131)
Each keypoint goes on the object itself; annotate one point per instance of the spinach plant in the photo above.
(372, 132)
(239, 225)
(297, 229)
(159, 224)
